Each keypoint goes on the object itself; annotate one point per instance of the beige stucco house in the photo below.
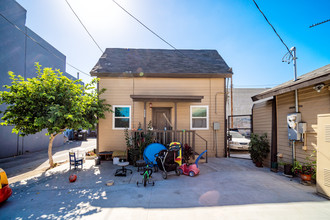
(271, 113)
(175, 90)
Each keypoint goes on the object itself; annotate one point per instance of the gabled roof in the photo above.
(117, 62)
(317, 76)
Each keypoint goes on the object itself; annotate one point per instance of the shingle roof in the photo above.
(117, 62)
(317, 76)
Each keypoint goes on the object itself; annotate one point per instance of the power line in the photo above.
(148, 28)
(84, 27)
(35, 41)
(319, 23)
(272, 27)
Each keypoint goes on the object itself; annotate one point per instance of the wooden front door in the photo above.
(159, 121)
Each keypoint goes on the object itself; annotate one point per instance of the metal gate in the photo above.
(239, 130)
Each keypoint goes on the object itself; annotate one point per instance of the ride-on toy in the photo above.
(146, 177)
(5, 190)
(191, 170)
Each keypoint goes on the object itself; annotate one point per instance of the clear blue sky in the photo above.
(235, 28)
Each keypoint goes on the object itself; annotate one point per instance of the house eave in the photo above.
(164, 75)
(166, 98)
(291, 87)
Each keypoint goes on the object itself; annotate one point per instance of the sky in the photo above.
(235, 28)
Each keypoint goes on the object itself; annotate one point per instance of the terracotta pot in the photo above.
(258, 164)
(306, 177)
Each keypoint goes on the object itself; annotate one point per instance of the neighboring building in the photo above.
(182, 90)
(240, 120)
(18, 53)
(242, 103)
(271, 116)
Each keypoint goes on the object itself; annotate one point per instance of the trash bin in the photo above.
(97, 161)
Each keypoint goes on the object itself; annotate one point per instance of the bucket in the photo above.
(115, 160)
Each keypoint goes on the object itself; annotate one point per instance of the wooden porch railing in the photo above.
(165, 137)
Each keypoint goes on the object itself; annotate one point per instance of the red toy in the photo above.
(5, 190)
(191, 170)
(73, 178)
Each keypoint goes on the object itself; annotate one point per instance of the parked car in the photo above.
(238, 141)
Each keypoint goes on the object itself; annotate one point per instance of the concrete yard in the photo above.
(226, 188)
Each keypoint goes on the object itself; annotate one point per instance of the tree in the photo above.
(51, 101)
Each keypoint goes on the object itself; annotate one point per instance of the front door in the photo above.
(159, 116)
(161, 120)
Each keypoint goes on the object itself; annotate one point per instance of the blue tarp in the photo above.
(150, 151)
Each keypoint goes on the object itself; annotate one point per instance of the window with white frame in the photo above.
(121, 117)
(199, 117)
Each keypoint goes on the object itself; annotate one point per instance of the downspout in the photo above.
(293, 49)
(215, 139)
(231, 102)
(225, 115)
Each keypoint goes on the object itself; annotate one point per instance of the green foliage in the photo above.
(259, 147)
(187, 153)
(308, 167)
(51, 101)
(138, 142)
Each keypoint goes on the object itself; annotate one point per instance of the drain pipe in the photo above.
(293, 49)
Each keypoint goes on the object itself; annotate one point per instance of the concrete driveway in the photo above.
(226, 188)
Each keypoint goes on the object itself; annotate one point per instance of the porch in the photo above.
(165, 137)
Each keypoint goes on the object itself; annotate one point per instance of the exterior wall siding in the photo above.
(118, 93)
(311, 103)
(262, 123)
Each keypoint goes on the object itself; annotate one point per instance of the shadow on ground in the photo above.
(222, 182)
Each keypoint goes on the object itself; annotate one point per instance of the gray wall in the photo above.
(19, 53)
(242, 102)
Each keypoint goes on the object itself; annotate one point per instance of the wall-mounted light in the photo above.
(318, 87)
(150, 104)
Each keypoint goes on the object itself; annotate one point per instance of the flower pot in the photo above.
(258, 164)
(288, 169)
(306, 177)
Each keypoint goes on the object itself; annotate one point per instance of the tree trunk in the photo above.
(50, 148)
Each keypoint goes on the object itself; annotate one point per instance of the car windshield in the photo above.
(236, 134)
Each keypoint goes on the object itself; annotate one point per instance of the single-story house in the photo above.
(302, 101)
(174, 90)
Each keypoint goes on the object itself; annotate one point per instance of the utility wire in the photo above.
(84, 27)
(272, 27)
(35, 41)
(148, 28)
(319, 23)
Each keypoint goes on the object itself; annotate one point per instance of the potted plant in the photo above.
(307, 170)
(259, 148)
(287, 168)
(187, 153)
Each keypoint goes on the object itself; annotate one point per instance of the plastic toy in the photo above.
(176, 147)
(191, 170)
(146, 177)
(73, 178)
(5, 190)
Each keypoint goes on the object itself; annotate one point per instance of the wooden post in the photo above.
(175, 118)
(145, 117)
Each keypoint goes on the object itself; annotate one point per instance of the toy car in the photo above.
(191, 170)
(5, 190)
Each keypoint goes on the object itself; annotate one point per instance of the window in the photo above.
(199, 117)
(121, 117)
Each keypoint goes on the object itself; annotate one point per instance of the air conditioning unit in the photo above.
(323, 155)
